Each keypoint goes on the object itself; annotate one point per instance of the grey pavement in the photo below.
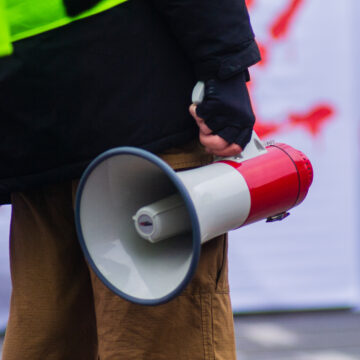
(299, 336)
(331, 335)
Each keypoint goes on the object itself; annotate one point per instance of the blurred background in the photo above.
(295, 284)
(304, 93)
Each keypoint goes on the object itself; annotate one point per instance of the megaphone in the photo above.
(141, 224)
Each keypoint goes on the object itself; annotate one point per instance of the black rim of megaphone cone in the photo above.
(196, 243)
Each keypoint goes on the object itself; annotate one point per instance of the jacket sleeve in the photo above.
(216, 35)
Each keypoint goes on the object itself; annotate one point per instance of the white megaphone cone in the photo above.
(141, 224)
(112, 190)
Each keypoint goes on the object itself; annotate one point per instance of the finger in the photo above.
(200, 122)
(231, 150)
(213, 142)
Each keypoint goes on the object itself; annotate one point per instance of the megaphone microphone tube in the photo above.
(163, 219)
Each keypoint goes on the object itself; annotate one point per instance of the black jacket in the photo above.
(122, 77)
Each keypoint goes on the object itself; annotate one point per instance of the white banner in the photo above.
(304, 95)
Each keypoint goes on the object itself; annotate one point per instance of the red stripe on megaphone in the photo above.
(277, 180)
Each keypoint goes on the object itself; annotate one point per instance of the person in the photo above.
(79, 77)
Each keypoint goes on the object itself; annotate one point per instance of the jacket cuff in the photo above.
(230, 65)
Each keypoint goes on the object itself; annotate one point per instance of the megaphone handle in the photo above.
(255, 146)
(198, 93)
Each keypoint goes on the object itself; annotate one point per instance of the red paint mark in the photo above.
(265, 129)
(264, 54)
(249, 3)
(282, 24)
(314, 120)
(250, 85)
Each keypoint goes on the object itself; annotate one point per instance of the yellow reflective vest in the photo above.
(20, 19)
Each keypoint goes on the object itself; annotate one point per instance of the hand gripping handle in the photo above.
(254, 148)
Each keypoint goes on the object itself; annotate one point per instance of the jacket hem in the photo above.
(65, 173)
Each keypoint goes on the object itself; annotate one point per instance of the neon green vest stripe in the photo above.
(5, 42)
(24, 18)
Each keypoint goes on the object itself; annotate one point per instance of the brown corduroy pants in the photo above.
(61, 311)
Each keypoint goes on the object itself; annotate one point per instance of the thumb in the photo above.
(199, 121)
